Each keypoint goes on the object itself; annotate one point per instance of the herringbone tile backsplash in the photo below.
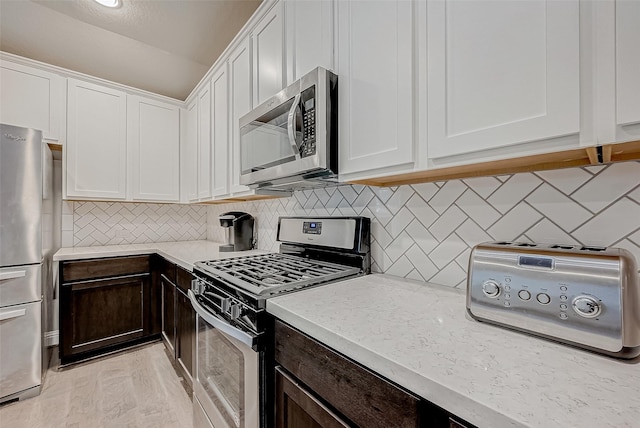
(87, 224)
(426, 231)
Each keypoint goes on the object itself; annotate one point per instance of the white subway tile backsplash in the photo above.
(483, 186)
(477, 208)
(447, 223)
(565, 180)
(447, 194)
(422, 231)
(609, 185)
(612, 224)
(514, 223)
(548, 233)
(558, 207)
(112, 223)
(512, 191)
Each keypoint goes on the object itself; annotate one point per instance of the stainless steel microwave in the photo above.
(290, 141)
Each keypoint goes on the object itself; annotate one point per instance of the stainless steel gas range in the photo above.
(229, 297)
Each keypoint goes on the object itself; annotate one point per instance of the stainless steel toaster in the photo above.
(580, 295)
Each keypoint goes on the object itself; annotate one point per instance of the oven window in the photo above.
(221, 373)
(265, 141)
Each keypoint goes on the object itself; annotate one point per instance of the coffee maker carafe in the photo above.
(238, 231)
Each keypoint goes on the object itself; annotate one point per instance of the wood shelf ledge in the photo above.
(565, 159)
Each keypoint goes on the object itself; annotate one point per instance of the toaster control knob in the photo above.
(586, 306)
(491, 288)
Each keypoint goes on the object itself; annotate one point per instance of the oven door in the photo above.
(226, 381)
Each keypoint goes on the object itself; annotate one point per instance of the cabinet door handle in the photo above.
(12, 314)
(12, 274)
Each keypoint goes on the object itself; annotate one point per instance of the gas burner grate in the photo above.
(272, 273)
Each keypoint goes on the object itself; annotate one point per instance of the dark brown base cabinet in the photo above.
(104, 305)
(178, 317)
(316, 387)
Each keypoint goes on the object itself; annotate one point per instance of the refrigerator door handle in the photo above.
(12, 314)
(12, 274)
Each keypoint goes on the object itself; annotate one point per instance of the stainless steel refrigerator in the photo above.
(24, 260)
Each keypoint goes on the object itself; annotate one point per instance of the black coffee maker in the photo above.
(238, 231)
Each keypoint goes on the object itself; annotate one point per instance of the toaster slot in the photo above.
(563, 247)
(595, 249)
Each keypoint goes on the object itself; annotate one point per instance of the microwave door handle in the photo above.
(291, 127)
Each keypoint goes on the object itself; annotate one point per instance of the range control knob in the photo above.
(235, 312)
(491, 288)
(586, 306)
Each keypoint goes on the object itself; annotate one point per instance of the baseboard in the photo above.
(52, 338)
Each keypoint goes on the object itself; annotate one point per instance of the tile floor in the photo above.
(136, 389)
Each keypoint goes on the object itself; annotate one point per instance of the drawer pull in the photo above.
(13, 274)
(12, 314)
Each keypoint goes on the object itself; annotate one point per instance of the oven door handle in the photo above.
(221, 325)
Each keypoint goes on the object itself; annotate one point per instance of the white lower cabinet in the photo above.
(153, 139)
(375, 55)
(32, 98)
(96, 149)
(500, 73)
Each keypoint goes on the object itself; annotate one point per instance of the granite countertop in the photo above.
(184, 253)
(419, 336)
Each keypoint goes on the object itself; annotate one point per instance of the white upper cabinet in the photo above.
(204, 143)
(627, 62)
(153, 139)
(267, 41)
(309, 36)
(32, 98)
(375, 44)
(500, 73)
(190, 150)
(220, 131)
(96, 149)
(239, 105)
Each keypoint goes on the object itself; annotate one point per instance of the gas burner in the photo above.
(267, 274)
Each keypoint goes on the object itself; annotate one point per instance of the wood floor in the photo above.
(138, 388)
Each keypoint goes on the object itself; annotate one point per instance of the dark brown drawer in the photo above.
(79, 270)
(360, 395)
(167, 268)
(183, 279)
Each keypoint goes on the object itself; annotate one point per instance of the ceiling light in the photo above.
(109, 3)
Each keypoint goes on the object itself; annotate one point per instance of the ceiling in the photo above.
(162, 46)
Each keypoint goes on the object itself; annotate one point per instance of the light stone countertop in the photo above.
(184, 253)
(419, 336)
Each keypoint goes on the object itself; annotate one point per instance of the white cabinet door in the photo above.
(189, 167)
(309, 36)
(375, 67)
(627, 61)
(239, 105)
(500, 73)
(267, 42)
(153, 138)
(31, 98)
(96, 149)
(204, 143)
(220, 132)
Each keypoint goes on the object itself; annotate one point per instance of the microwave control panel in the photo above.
(307, 101)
